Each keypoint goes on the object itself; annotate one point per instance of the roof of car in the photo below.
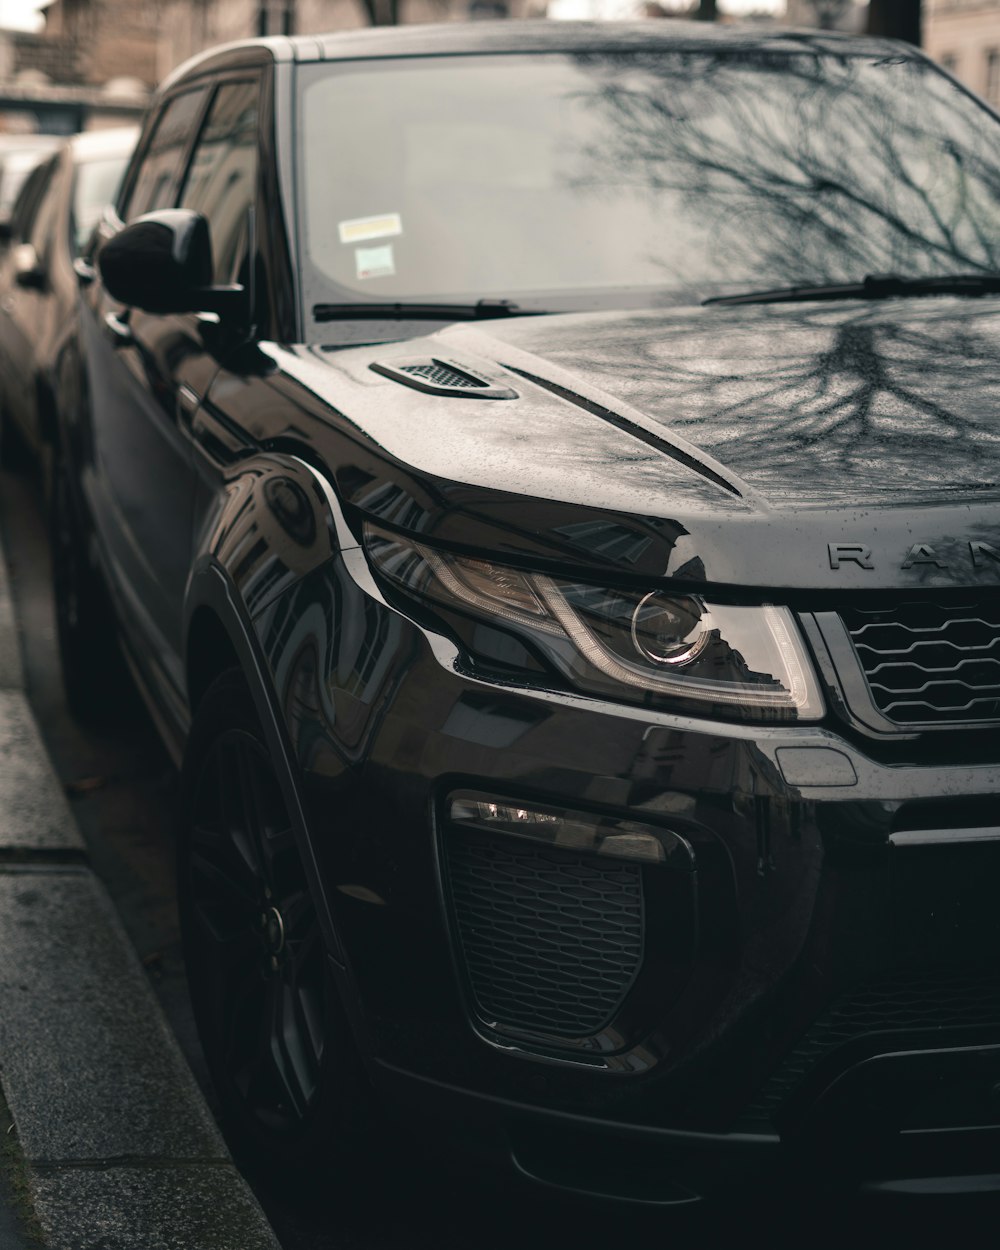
(24, 158)
(539, 35)
(29, 144)
(95, 145)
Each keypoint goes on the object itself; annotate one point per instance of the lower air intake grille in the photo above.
(903, 1003)
(929, 662)
(551, 940)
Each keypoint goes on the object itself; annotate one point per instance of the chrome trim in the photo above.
(944, 837)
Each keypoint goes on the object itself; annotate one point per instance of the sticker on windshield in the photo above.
(360, 228)
(375, 262)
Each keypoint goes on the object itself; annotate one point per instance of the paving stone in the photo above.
(11, 669)
(22, 755)
(34, 814)
(136, 1208)
(89, 1067)
(36, 819)
(17, 721)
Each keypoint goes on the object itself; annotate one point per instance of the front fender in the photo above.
(272, 524)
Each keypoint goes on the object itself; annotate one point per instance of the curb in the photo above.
(119, 1148)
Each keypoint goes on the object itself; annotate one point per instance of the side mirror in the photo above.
(29, 272)
(162, 263)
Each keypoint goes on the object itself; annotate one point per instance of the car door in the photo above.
(25, 290)
(149, 372)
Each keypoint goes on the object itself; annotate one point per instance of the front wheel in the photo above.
(274, 1034)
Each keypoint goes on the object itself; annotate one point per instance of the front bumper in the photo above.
(822, 977)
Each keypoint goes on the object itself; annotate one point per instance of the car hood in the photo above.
(811, 405)
(813, 445)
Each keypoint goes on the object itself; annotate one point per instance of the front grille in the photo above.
(442, 375)
(551, 940)
(902, 1003)
(930, 662)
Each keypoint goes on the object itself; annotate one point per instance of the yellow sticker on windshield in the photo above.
(360, 228)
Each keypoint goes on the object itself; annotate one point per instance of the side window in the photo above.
(155, 184)
(222, 178)
(43, 222)
(28, 199)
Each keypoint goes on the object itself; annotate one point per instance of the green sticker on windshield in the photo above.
(375, 262)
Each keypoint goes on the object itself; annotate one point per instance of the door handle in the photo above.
(188, 402)
(119, 329)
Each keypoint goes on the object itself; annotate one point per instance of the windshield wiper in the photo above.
(873, 286)
(369, 311)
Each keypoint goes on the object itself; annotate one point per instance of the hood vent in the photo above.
(435, 376)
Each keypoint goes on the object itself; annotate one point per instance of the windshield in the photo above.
(95, 188)
(574, 180)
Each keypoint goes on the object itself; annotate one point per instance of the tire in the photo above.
(94, 675)
(275, 1037)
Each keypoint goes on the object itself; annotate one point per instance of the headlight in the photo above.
(640, 645)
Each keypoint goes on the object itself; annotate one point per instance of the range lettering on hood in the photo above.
(942, 556)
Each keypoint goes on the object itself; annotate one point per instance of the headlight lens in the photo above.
(670, 631)
(644, 646)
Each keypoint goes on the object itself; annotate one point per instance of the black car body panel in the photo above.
(39, 285)
(822, 909)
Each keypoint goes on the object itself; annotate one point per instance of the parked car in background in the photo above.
(41, 275)
(547, 480)
(19, 155)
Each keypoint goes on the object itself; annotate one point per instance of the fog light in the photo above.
(577, 831)
(498, 813)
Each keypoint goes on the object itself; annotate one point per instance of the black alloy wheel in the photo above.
(94, 675)
(271, 1025)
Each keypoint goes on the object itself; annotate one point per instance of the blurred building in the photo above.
(107, 39)
(62, 79)
(146, 41)
(843, 15)
(115, 51)
(964, 37)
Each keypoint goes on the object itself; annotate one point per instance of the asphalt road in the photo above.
(123, 788)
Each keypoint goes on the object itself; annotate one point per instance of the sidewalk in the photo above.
(111, 1144)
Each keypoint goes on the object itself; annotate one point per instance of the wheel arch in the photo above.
(220, 636)
(273, 525)
(210, 651)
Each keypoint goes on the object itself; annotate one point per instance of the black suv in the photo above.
(546, 479)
